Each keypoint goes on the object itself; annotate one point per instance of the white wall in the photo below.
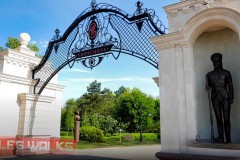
(226, 42)
(22, 115)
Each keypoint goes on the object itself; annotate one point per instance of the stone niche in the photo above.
(225, 41)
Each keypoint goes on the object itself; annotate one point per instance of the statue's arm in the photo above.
(208, 82)
(230, 88)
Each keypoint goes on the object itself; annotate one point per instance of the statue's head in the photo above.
(216, 58)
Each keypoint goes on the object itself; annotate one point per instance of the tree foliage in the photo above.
(33, 47)
(14, 42)
(91, 134)
(107, 124)
(121, 90)
(1, 48)
(96, 100)
(68, 112)
(94, 88)
(85, 121)
(127, 109)
(136, 108)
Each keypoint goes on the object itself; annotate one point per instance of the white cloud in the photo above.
(34, 42)
(78, 70)
(44, 43)
(105, 80)
(81, 79)
(74, 70)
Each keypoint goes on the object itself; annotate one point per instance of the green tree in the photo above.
(13, 42)
(70, 107)
(97, 100)
(94, 120)
(107, 124)
(33, 47)
(63, 118)
(85, 121)
(121, 90)
(135, 107)
(94, 88)
(1, 48)
(155, 128)
(106, 103)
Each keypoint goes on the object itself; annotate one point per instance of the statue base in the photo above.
(204, 149)
(180, 156)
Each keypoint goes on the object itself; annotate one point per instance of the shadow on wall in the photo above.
(23, 123)
(226, 42)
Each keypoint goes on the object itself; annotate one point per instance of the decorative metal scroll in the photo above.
(99, 31)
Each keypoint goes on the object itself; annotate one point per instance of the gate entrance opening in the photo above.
(100, 30)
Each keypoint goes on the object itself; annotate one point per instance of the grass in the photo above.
(114, 141)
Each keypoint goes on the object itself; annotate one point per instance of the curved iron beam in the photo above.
(86, 14)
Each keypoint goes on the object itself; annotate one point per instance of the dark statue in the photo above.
(219, 82)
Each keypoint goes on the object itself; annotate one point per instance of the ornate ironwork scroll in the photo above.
(100, 30)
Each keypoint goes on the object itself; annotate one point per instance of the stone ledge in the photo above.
(215, 145)
(179, 156)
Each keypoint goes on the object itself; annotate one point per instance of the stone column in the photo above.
(181, 98)
(190, 91)
(169, 105)
(77, 127)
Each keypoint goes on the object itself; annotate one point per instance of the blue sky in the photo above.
(40, 18)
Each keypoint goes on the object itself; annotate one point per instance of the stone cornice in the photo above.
(13, 55)
(188, 6)
(185, 6)
(33, 97)
(169, 40)
(28, 82)
(156, 80)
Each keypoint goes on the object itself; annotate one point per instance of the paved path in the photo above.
(116, 153)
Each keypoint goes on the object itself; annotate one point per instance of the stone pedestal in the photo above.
(35, 115)
(34, 123)
(76, 131)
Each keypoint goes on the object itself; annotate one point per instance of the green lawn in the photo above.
(127, 139)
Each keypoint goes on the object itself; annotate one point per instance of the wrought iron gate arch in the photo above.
(91, 46)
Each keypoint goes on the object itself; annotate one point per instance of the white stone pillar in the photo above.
(181, 98)
(190, 90)
(168, 97)
(35, 115)
(175, 58)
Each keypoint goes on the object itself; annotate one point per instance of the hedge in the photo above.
(91, 134)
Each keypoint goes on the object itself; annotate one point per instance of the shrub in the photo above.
(91, 134)
(64, 133)
(147, 136)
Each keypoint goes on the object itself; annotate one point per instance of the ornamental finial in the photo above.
(139, 7)
(56, 36)
(93, 4)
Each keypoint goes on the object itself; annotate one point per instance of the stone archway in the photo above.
(100, 30)
(210, 31)
(181, 62)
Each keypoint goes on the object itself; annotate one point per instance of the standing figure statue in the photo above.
(219, 81)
